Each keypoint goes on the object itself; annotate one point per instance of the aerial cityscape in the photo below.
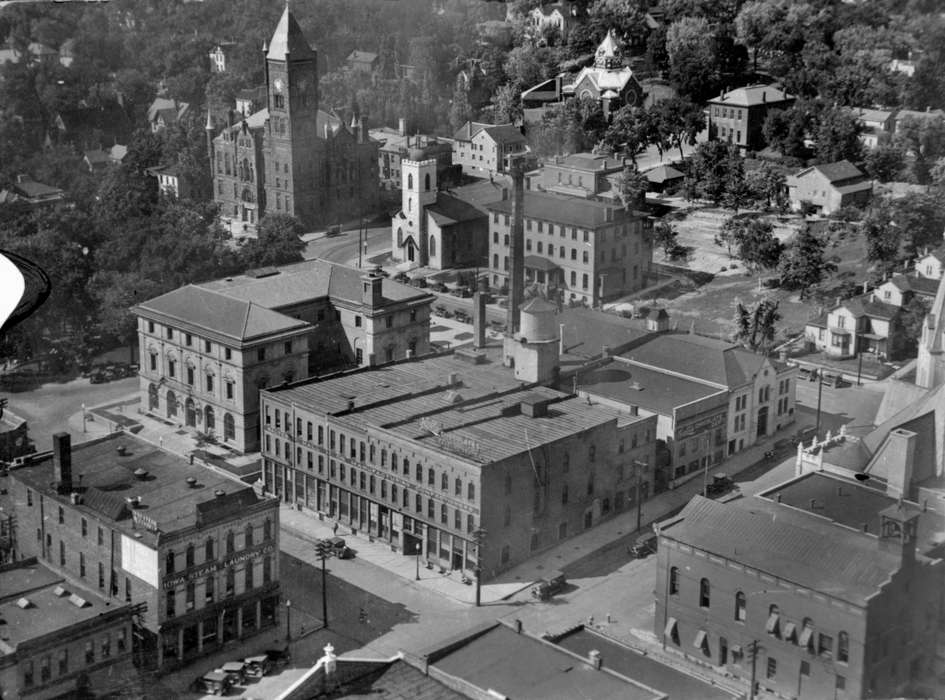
(421, 349)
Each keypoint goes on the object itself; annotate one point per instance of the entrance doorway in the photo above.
(762, 421)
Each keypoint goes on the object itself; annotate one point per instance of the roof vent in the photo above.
(636, 386)
(219, 493)
(59, 591)
(191, 481)
(133, 501)
(141, 474)
(453, 397)
(121, 450)
(261, 272)
(24, 603)
(79, 601)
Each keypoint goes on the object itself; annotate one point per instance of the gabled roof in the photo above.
(869, 306)
(288, 40)
(451, 210)
(809, 551)
(238, 319)
(923, 286)
(568, 211)
(470, 129)
(752, 95)
(506, 133)
(663, 173)
(32, 189)
(865, 114)
(841, 170)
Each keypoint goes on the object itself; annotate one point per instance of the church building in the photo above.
(292, 157)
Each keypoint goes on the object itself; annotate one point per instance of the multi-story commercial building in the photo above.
(578, 175)
(737, 116)
(59, 638)
(435, 454)
(589, 251)
(207, 349)
(712, 398)
(140, 525)
(291, 157)
(828, 585)
(483, 150)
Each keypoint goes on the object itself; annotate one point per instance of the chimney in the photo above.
(372, 289)
(479, 318)
(517, 247)
(865, 286)
(560, 338)
(402, 126)
(764, 96)
(62, 461)
(594, 657)
(898, 459)
(518, 625)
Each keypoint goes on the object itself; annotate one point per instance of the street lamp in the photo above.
(418, 550)
(288, 620)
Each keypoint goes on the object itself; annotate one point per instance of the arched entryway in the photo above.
(153, 399)
(762, 421)
(229, 427)
(171, 404)
(190, 413)
(210, 421)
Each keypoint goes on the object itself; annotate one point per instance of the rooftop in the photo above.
(752, 95)
(395, 680)
(47, 612)
(445, 402)
(288, 40)
(868, 305)
(586, 331)
(563, 210)
(839, 171)
(923, 286)
(519, 666)
(483, 193)
(449, 209)
(107, 480)
(505, 133)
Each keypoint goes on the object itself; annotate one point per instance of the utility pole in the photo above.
(820, 391)
(323, 551)
(640, 467)
(859, 366)
(479, 535)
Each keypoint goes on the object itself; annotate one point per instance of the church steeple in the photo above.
(609, 54)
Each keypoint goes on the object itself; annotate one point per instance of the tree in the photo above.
(785, 130)
(754, 23)
(664, 236)
(883, 237)
(804, 264)
(278, 242)
(885, 161)
(507, 105)
(755, 326)
(559, 130)
(838, 136)
(753, 240)
(769, 184)
(632, 187)
(912, 319)
(679, 120)
(630, 131)
(460, 111)
(692, 60)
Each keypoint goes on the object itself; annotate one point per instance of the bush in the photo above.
(847, 214)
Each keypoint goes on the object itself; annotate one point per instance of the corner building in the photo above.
(444, 451)
(140, 525)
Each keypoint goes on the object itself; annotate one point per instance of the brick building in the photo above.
(737, 116)
(291, 157)
(206, 350)
(437, 452)
(140, 525)
(589, 251)
(60, 638)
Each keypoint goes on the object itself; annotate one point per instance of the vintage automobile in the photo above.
(236, 670)
(213, 683)
(257, 666)
(544, 589)
(721, 482)
(644, 546)
(278, 657)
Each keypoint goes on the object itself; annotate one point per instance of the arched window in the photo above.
(444, 513)
(704, 593)
(248, 536)
(410, 181)
(171, 404)
(210, 421)
(267, 529)
(807, 635)
(229, 427)
(426, 182)
(471, 491)
(169, 563)
(400, 236)
(432, 246)
(674, 580)
(843, 647)
(431, 477)
(741, 612)
(230, 542)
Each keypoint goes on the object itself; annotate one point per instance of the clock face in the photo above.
(279, 84)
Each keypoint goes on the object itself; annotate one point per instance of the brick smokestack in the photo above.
(517, 247)
(479, 315)
(62, 461)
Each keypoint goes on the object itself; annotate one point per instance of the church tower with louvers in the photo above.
(292, 157)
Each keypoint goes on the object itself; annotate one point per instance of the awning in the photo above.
(840, 331)
(699, 641)
(670, 627)
(805, 637)
(536, 262)
(771, 625)
(789, 630)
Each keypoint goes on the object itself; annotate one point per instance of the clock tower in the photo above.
(292, 130)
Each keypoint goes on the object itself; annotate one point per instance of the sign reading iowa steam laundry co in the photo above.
(175, 580)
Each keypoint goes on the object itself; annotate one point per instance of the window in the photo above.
(189, 556)
(564, 494)
(248, 536)
(805, 669)
(843, 647)
(431, 477)
(82, 564)
(772, 669)
(169, 563)
(773, 624)
(85, 527)
(674, 580)
(230, 582)
(209, 586)
(357, 321)
(171, 599)
(458, 488)
(120, 641)
(230, 542)
(101, 575)
(62, 553)
(508, 484)
(208, 549)
(741, 613)
(209, 382)
(825, 646)
(261, 355)
(471, 491)
(417, 502)
(106, 647)
(62, 516)
(704, 593)
(841, 683)
(248, 576)
(592, 453)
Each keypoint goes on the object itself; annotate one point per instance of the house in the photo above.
(931, 264)
(251, 100)
(33, 193)
(900, 289)
(829, 187)
(907, 115)
(218, 55)
(171, 180)
(99, 160)
(559, 17)
(165, 112)
(197, 553)
(860, 324)
(737, 116)
(436, 229)
(59, 634)
(585, 250)
(396, 146)
(930, 364)
(482, 150)
(712, 398)
(207, 349)
(877, 125)
(362, 61)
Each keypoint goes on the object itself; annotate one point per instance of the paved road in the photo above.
(343, 248)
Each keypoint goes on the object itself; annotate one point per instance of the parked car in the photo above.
(721, 482)
(278, 657)
(338, 548)
(463, 317)
(236, 670)
(214, 683)
(644, 546)
(438, 287)
(440, 310)
(544, 589)
(257, 666)
(462, 292)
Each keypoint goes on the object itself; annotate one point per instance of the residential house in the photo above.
(436, 229)
(711, 398)
(33, 193)
(586, 250)
(251, 100)
(829, 187)
(171, 180)
(860, 324)
(482, 150)
(931, 264)
(207, 349)
(905, 115)
(219, 54)
(900, 289)
(877, 125)
(663, 178)
(362, 61)
(558, 17)
(165, 112)
(737, 116)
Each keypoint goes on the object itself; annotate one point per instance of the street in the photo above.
(343, 248)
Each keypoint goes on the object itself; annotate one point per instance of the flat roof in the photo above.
(633, 384)
(518, 666)
(474, 418)
(108, 479)
(644, 669)
(569, 211)
(53, 605)
(586, 331)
